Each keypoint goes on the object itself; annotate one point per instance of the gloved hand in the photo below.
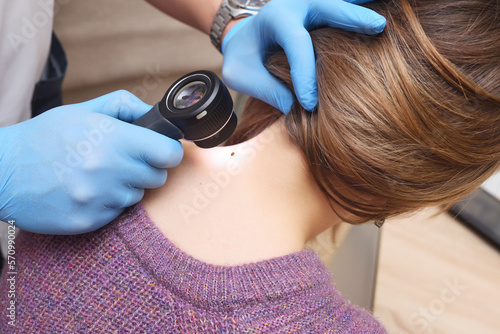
(285, 24)
(75, 168)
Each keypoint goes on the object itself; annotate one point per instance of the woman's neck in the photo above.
(242, 203)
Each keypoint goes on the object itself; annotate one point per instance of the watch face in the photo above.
(249, 4)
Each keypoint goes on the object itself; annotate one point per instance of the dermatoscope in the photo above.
(196, 107)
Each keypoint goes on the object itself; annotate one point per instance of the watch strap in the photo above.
(220, 21)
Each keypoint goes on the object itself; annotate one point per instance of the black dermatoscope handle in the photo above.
(155, 121)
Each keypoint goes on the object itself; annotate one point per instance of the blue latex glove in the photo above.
(285, 24)
(75, 168)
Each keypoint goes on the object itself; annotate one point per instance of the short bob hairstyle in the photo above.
(406, 119)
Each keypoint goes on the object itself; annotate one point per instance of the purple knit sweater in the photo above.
(128, 278)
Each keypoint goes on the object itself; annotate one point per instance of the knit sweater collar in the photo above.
(204, 284)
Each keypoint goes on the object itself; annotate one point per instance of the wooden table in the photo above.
(436, 276)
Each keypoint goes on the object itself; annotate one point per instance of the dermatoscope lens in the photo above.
(190, 94)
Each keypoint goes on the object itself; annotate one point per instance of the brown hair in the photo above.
(406, 119)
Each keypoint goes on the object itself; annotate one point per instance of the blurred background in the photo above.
(127, 44)
(431, 274)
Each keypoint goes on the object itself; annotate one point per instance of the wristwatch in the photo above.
(231, 9)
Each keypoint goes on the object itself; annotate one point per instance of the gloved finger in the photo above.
(125, 198)
(153, 148)
(147, 177)
(300, 53)
(121, 104)
(344, 15)
(78, 224)
(254, 80)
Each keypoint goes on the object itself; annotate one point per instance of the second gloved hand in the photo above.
(286, 24)
(75, 168)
